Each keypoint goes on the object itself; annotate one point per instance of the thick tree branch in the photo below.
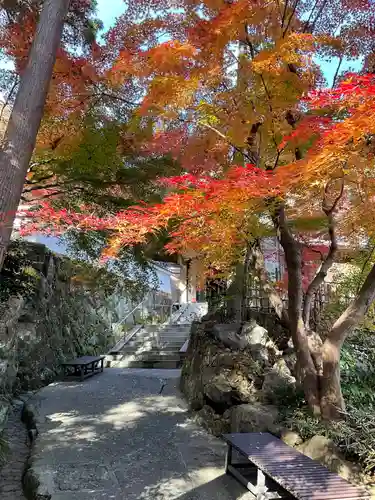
(355, 312)
(329, 260)
(367, 260)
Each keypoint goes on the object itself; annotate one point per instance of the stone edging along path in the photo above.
(18, 433)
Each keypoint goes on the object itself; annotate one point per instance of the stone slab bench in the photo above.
(270, 469)
(84, 367)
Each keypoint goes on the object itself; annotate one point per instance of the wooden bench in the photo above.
(81, 368)
(272, 470)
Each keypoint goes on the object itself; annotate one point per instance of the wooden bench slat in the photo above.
(298, 474)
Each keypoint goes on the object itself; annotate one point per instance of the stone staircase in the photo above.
(151, 346)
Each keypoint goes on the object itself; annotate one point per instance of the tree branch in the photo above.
(337, 72)
(317, 16)
(284, 13)
(8, 98)
(329, 260)
(307, 23)
(291, 17)
(223, 136)
(355, 312)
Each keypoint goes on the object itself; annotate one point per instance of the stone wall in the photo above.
(48, 317)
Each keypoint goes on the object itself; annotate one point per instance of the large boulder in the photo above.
(212, 373)
(278, 379)
(254, 418)
(323, 450)
(219, 393)
(228, 389)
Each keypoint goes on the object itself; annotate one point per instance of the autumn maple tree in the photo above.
(235, 92)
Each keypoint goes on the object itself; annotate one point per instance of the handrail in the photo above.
(144, 300)
(131, 312)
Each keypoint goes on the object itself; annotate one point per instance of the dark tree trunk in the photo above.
(24, 122)
(305, 369)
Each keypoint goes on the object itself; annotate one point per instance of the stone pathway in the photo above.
(116, 437)
(11, 473)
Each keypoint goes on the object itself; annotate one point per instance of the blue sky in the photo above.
(109, 10)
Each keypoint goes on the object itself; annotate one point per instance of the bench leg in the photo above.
(228, 458)
(102, 365)
(261, 482)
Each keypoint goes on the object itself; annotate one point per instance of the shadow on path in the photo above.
(115, 437)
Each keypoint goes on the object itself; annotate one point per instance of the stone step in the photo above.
(173, 336)
(159, 356)
(154, 349)
(161, 334)
(152, 355)
(150, 364)
(154, 342)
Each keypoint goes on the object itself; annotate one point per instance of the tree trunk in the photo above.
(332, 402)
(24, 122)
(305, 369)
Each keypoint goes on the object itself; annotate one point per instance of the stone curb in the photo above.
(33, 489)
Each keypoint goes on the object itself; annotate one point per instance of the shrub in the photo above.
(358, 371)
(354, 436)
(17, 277)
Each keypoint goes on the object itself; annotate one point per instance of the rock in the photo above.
(278, 378)
(213, 422)
(219, 391)
(262, 347)
(254, 418)
(324, 451)
(207, 362)
(254, 334)
(4, 410)
(290, 361)
(229, 335)
(18, 404)
(290, 438)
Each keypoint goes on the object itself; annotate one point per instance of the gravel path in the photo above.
(116, 437)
